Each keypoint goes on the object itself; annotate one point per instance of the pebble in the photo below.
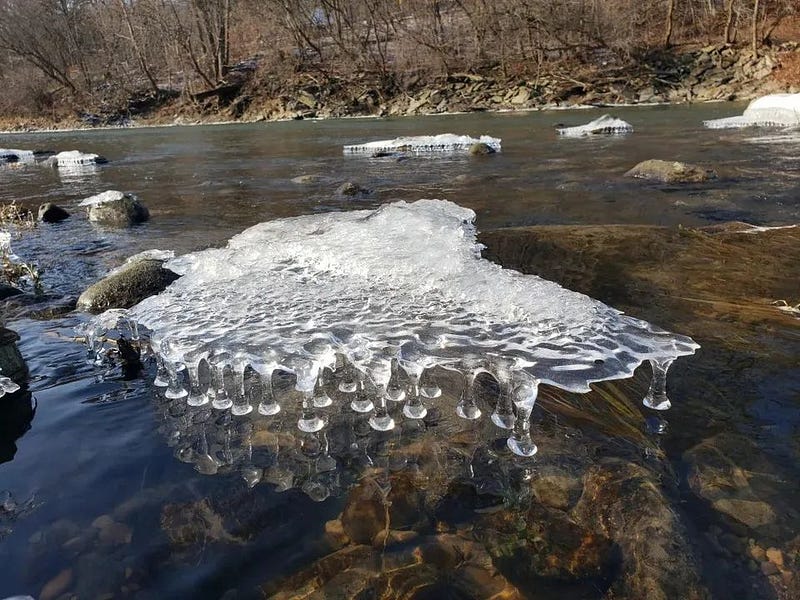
(53, 588)
(775, 556)
(758, 554)
(768, 568)
(102, 522)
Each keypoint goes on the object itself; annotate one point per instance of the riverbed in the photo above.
(102, 504)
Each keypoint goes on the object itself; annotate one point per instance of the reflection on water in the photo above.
(113, 490)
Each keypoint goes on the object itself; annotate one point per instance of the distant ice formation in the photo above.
(605, 125)
(73, 158)
(12, 155)
(445, 142)
(775, 110)
(366, 294)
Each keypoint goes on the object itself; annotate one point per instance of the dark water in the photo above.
(96, 444)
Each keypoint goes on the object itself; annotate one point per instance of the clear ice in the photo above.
(605, 125)
(445, 142)
(775, 110)
(364, 295)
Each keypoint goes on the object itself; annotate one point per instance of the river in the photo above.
(100, 506)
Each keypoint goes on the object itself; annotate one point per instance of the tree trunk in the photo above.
(754, 31)
(730, 19)
(668, 24)
(137, 49)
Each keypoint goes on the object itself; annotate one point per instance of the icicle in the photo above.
(520, 441)
(656, 397)
(268, 405)
(380, 371)
(467, 407)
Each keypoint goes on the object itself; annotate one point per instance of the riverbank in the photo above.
(719, 72)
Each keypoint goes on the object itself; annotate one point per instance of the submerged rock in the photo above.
(7, 291)
(116, 209)
(131, 284)
(51, 213)
(352, 189)
(307, 179)
(625, 502)
(671, 172)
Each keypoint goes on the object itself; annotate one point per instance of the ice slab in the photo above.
(73, 158)
(774, 110)
(404, 275)
(445, 142)
(605, 125)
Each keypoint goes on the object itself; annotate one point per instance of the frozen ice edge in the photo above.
(444, 142)
(401, 274)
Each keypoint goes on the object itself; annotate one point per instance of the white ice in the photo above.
(76, 158)
(445, 142)
(774, 110)
(606, 124)
(12, 155)
(405, 276)
(102, 198)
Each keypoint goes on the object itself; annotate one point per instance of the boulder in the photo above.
(51, 213)
(123, 288)
(481, 149)
(349, 188)
(7, 291)
(116, 209)
(671, 172)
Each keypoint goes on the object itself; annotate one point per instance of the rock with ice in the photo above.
(423, 144)
(102, 198)
(11, 155)
(75, 158)
(605, 125)
(775, 110)
(401, 285)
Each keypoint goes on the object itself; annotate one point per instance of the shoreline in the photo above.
(134, 125)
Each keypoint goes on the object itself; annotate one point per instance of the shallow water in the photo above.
(100, 445)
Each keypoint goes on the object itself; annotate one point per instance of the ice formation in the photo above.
(73, 158)
(605, 125)
(445, 142)
(775, 110)
(366, 294)
(11, 155)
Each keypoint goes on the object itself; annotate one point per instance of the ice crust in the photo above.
(102, 198)
(445, 142)
(605, 125)
(403, 275)
(774, 110)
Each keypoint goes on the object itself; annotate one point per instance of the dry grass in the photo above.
(13, 214)
(788, 71)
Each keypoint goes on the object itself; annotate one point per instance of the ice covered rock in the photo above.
(422, 144)
(116, 209)
(73, 158)
(605, 125)
(774, 110)
(11, 155)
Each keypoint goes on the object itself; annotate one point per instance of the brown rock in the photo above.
(753, 513)
(392, 537)
(58, 584)
(556, 490)
(768, 568)
(775, 556)
(115, 534)
(365, 513)
(670, 172)
(131, 284)
(334, 533)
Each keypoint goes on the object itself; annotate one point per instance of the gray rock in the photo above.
(123, 211)
(7, 291)
(671, 172)
(348, 188)
(51, 213)
(481, 149)
(124, 288)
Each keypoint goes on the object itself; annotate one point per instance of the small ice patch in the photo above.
(104, 197)
(445, 142)
(774, 110)
(605, 125)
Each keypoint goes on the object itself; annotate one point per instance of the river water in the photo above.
(98, 448)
